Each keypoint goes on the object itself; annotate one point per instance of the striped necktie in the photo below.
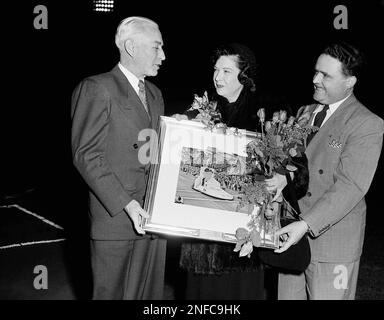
(142, 95)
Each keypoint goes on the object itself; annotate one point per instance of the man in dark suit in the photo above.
(109, 112)
(342, 159)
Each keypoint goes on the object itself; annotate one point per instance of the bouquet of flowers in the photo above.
(208, 113)
(273, 151)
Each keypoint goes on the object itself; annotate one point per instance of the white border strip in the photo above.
(30, 243)
(33, 214)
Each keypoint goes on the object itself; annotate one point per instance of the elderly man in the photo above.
(342, 159)
(108, 113)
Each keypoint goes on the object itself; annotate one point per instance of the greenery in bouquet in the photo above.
(208, 112)
(273, 151)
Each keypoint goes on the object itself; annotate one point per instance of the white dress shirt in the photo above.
(332, 108)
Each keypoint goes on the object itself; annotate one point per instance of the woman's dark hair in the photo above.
(246, 62)
(351, 58)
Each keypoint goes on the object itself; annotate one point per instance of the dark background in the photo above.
(40, 69)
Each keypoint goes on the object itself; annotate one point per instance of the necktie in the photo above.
(142, 95)
(318, 122)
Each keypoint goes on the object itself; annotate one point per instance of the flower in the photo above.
(283, 116)
(291, 121)
(208, 113)
(268, 125)
(292, 152)
(275, 117)
(261, 114)
(268, 154)
(241, 233)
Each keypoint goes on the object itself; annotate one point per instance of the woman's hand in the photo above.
(276, 183)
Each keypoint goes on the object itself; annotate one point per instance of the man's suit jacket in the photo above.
(107, 116)
(342, 159)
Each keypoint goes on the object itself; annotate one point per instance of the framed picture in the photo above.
(195, 182)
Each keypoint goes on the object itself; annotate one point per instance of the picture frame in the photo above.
(194, 182)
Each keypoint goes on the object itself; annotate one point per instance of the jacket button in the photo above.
(135, 146)
(321, 171)
(309, 194)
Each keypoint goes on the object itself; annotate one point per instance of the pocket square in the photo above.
(335, 144)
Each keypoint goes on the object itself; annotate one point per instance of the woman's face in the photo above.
(225, 78)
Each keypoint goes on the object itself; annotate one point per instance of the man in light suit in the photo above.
(108, 113)
(342, 159)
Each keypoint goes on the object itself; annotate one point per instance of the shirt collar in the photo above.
(332, 107)
(132, 79)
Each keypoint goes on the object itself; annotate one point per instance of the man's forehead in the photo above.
(328, 64)
(154, 36)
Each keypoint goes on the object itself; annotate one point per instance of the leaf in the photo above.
(258, 151)
(279, 142)
(239, 244)
(255, 238)
(279, 199)
(246, 250)
(270, 164)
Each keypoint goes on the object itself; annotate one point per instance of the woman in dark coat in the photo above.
(214, 270)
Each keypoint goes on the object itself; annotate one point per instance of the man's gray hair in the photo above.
(131, 26)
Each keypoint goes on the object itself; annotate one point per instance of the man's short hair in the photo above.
(131, 26)
(351, 58)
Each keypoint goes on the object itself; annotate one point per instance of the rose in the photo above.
(292, 152)
(195, 105)
(304, 119)
(261, 114)
(275, 117)
(291, 121)
(268, 125)
(205, 99)
(241, 234)
(283, 115)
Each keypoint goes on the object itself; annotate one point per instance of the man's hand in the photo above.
(293, 233)
(179, 117)
(276, 183)
(136, 213)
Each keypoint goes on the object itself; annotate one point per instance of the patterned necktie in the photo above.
(142, 96)
(320, 116)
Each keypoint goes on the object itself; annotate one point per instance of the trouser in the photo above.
(320, 281)
(128, 269)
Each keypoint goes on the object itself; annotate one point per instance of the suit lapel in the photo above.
(332, 126)
(153, 110)
(130, 99)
